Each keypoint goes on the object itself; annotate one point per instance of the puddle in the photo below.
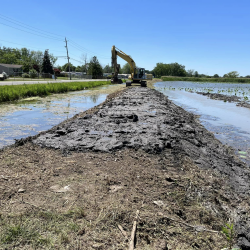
(228, 122)
(33, 115)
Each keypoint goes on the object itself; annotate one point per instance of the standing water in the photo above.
(33, 115)
(229, 123)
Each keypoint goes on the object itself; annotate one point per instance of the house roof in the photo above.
(11, 65)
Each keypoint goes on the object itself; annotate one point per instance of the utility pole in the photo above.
(68, 57)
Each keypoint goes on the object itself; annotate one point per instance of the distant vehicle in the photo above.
(3, 76)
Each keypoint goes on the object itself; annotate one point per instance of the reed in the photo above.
(16, 92)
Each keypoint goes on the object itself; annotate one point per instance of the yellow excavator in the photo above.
(137, 74)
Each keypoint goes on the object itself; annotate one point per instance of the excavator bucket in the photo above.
(116, 80)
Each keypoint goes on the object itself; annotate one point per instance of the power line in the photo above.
(76, 60)
(79, 47)
(4, 17)
(43, 34)
(57, 39)
(29, 46)
(75, 55)
(93, 54)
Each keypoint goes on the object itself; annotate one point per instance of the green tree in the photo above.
(126, 69)
(59, 67)
(225, 75)
(177, 69)
(216, 76)
(196, 74)
(95, 68)
(171, 69)
(160, 70)
(28, 58)
(190, 72)
(33, 73)
(79, 68)
(107, 69)
(233, 74)
(65, 67)
(46, 65)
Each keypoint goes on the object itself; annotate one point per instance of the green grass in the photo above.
(39, 229)
(17, 79)
(199, 79)
(16, 92)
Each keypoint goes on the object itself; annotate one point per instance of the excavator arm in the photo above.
(133, 69)
(116, 52)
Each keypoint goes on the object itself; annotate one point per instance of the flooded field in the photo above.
(237, 89)
(33, 115)
(228, 122)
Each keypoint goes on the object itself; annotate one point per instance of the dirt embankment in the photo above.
(76, 183)
(227, 98)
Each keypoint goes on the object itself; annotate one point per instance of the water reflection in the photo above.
(26, 118)
(228, 122)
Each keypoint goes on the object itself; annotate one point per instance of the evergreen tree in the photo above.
(46, 65)
(95, 69)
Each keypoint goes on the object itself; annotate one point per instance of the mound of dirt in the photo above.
(146, 119)
(142, 118)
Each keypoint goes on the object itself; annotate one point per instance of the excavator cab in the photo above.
(138, 77)
(140, 74)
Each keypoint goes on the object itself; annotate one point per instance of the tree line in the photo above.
(176, 69)
(38, 61)
(30, 59)
(34, 62)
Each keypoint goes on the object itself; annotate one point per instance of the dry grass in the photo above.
(105, 191)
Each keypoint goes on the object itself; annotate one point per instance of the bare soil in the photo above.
(187, 187)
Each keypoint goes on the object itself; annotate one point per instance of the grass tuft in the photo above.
(19, 233)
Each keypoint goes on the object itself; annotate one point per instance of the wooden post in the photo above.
(132, 239)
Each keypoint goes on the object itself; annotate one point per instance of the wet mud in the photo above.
(227, 98)
(146, 119)
(142, 118)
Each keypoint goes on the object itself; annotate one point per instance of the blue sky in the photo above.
(211, 37)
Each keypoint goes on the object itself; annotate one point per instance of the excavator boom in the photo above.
(137, 75)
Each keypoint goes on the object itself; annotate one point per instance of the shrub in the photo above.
(33, 73)
(25, 75)
(63, 74)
